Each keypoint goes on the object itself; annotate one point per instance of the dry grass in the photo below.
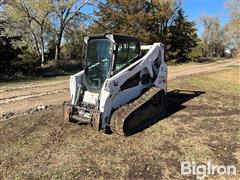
(226, 81)
(230, 75)
(32, 82)
(205, 128)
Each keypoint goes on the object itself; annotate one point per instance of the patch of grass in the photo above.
(226, 81)
(216, 85)
(230, 75)
(30, 82)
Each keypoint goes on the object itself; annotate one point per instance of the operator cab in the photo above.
(106, 55)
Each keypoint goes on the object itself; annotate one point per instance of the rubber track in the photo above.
(119, 116)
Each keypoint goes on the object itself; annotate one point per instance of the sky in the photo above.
(195, 8)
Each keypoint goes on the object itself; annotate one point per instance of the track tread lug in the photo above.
(119, 116)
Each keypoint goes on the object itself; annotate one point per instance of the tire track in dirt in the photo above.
(28, 91)
(23, 106)
(21, 99)
(25, 97)
(41, 145)
(33, 95)
(40, 84)
(176, 72)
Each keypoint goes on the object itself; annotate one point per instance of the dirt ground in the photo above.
(202, 125)
(17, 98)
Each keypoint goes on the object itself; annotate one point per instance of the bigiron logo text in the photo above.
(203, 170)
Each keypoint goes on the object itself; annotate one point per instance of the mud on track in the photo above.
(199, 127)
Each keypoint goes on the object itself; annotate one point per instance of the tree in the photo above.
(213, 36)
(2, 20)
(183, 37)
(8, 53)
(40, 20)
(65, 12)
(74, 42)
(232, 29)
(164, 12)
(147, 20)
(28, 20)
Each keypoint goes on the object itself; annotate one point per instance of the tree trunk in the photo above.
(57, 51)
(36, 43)
(58, 45)
(42, 45)
(42, 52)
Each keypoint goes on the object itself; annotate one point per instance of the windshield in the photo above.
(97, 62)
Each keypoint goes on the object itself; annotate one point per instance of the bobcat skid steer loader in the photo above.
(119, 87)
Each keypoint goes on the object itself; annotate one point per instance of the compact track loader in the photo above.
(120, 86)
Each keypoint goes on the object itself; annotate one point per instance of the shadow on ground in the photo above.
(175, 100)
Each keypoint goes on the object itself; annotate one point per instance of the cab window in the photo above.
(127, 53)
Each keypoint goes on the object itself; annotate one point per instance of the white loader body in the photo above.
(111, 95)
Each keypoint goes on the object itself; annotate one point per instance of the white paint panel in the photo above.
(146, 47)
(75, 82)
(126, 96)
(90, 97)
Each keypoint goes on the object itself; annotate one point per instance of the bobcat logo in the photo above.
(115, 84)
